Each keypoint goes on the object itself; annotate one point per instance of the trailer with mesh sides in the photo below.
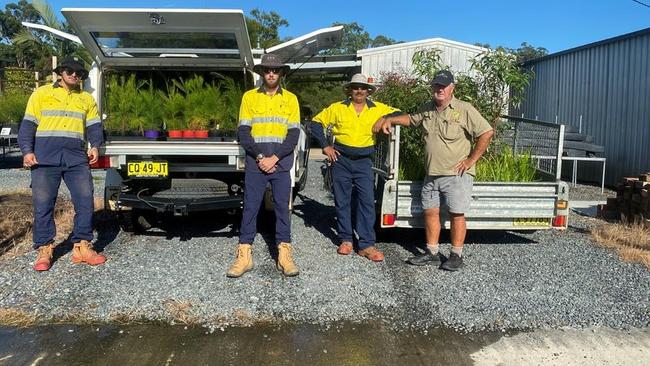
(494, 205)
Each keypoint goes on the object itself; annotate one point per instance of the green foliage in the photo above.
(173, 106)
(152, 107)
(316, 95)
(18, 80)
(231, 94)
(263, 28)
(12, 106)
(123, 104)
(500, 164)
(135, 106)
(45, 43)
(407, 94)
(355, 38)
(499, 82)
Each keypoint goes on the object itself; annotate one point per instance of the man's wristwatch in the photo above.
(259, 157)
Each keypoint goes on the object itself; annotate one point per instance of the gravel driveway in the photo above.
(544, 279)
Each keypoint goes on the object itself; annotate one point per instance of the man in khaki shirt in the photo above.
(450, 126)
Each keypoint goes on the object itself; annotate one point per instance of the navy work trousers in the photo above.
(348, 174)
(46, 181)
(254, 188)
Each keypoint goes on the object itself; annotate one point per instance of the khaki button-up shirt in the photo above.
(448, 134)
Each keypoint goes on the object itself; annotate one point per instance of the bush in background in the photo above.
(12, 107)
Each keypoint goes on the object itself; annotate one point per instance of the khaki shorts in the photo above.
(454, 191)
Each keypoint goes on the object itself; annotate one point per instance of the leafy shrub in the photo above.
(12, 106)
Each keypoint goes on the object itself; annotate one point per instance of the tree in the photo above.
(524, 53)
(527, 52)
(263, 28)
(355, 38)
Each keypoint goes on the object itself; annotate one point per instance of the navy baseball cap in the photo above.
(443, 78)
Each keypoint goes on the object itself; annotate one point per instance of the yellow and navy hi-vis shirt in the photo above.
(58, 123)
(349, 128)
(269, 125)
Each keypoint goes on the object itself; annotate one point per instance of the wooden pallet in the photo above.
(632, 202)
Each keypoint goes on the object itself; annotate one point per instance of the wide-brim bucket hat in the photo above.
(271, 61)
(360, 79)
(74, 64)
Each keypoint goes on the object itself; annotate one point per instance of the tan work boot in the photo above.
(83, 252)
(285, 261)
(44, 258)
(243, 262)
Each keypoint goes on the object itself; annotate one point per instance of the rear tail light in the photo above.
(103, 162)
(559, 221)
(388, 220)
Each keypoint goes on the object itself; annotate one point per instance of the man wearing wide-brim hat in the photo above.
(457, 136)
(269, 128)
(60, 121)
(350, 157)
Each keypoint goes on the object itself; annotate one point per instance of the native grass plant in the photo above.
(495, 81)
(501, 164)
(200, 102)
(231, 95)
(191, 103)
(12, 107)
(123, 104)
(173, 106)
(151, 111)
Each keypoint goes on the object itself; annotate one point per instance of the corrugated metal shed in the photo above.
(397, 57)
(606, 85)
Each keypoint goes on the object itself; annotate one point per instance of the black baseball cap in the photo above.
(443, 77)
(73, 64)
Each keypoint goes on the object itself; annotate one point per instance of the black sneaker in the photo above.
(426, 258)
(454, 263)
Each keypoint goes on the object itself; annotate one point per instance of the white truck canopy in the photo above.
(163, 37)
(182, 38)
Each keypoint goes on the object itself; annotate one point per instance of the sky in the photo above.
(554, 24)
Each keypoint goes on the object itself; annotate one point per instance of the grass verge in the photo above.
(632, 242)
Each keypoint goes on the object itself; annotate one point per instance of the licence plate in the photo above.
(147, 169)
(532, 221)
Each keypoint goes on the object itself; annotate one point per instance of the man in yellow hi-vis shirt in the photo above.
(60, 120)
(351, 157)
(269, 128)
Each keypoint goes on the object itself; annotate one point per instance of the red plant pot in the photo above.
(175, 134)
(201, 134)
(188, 134)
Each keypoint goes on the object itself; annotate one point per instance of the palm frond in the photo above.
(25, 36)
(45, 11)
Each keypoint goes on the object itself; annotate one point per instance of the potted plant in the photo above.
(173, 104)
(151, 112)
(122, 106)
(198, 101)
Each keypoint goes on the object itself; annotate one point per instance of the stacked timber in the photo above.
(632, 202)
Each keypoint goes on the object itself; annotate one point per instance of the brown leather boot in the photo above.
(243, 262)
(83, 252)
(285, 261)
(44, 258)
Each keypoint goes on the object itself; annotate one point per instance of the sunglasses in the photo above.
(268, 70)
(70, 71)
(358, 87)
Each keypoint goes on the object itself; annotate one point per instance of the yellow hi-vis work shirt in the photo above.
(58, 123)
(269, 125)
(348, 127)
